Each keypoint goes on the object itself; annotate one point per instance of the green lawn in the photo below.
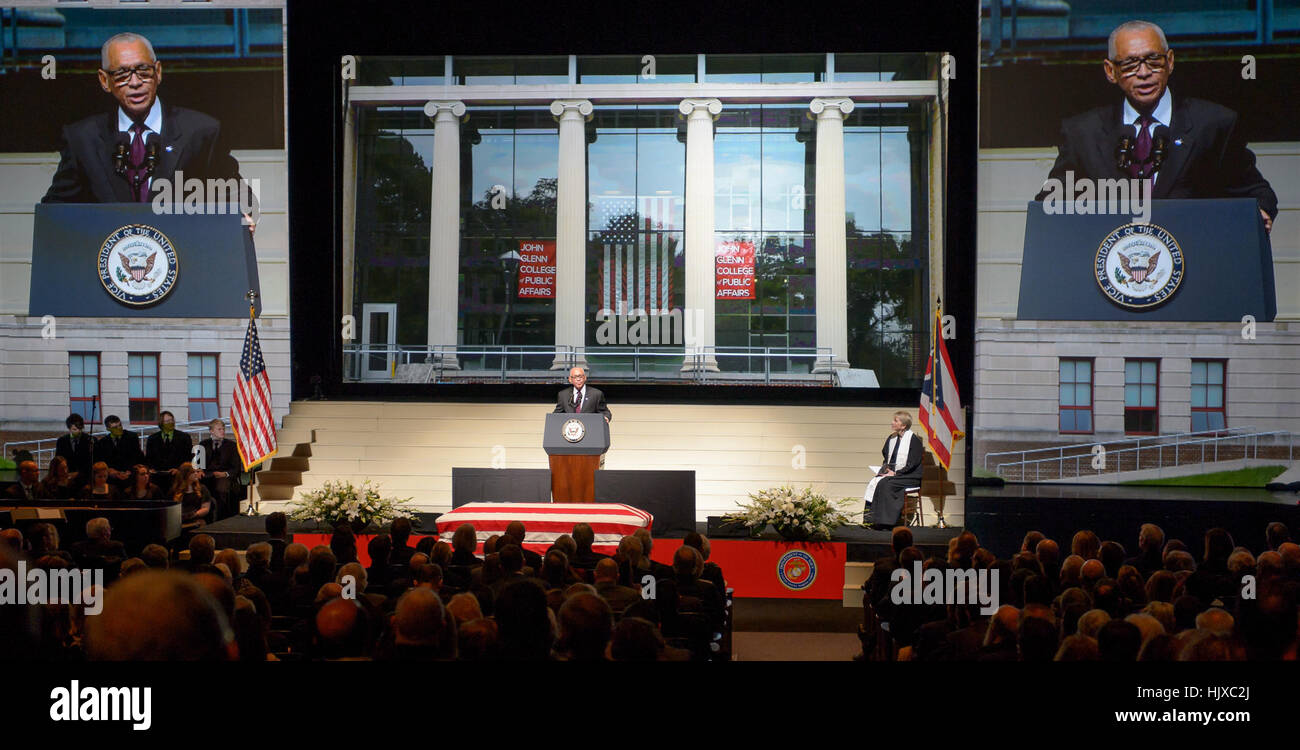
(980, 471)
(1255, 476)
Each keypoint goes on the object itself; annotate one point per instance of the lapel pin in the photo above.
(1177, 142)
(168, 149)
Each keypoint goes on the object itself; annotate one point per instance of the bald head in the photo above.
(1048, 553)
(337, 619)
(1091, 572)
(1215, 620)
(1091, 621)
(606, 570)
(14, 538)
(157, 615)
(420, 618)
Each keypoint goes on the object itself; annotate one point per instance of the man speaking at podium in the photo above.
(119, 156)
(581, 398)
(1189, 148)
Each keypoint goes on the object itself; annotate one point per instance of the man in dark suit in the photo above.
(120, 449)
(187, 141)
(1206, 154)
(581, 398)
(221, 468)
(75, 448)
(29, 484)
(99, 543)
(167, 449)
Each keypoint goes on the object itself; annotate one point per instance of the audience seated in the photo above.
(98, 545)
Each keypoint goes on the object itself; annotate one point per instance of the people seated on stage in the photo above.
(583, 557)
(277, 531)
(142, 487)
(59, 483)
(99, 543)
(168, 448)
(221, 469)
(196, 502)
(76, 449)
(120, 449)
(100, 488)
(29, 487)
(900, 471)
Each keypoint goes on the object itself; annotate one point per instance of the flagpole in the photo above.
(252, 511)
(935, 364)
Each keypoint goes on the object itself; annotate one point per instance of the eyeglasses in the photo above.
(122, 76)
(1156, 61)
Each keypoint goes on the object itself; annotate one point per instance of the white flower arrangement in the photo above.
(795, 513)
(341, 502)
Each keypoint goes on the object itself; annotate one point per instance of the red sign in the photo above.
(773, 570)
(734, 270)
(537, 269)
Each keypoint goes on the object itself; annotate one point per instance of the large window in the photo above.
(203, 387)
(142, 388)
(1209, 407)
(1141, 396)
(1075, 403)
(83, 385)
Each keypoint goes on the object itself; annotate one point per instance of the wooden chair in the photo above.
(934, 485)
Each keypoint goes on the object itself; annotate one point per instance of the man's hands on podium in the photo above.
(1268, 222)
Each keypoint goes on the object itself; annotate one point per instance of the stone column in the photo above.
(444, 227)
(697, 322)
(832, 257)
(571, 232)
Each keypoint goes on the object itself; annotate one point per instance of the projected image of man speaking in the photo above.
(1189, 148)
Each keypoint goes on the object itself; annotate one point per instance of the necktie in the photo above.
(580, 399)
(893, 456)
(1142, 150)
(136, 170)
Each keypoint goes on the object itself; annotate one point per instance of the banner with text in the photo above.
(734, 270)
(537, 269)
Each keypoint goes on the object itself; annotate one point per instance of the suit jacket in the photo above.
(226, 459)
(192, 142)
(594, 403)
(92, 548)
(166, 456)
(16, 492)
(80, 458)
(124, 455)
(1207, 157)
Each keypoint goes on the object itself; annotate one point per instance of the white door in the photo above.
(379, 340)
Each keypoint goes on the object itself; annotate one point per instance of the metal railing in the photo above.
(636, 363)
(42, 450)
(1114, 461)
(1086, 449)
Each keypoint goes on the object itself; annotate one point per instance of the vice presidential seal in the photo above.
(1139, 266)
(573, 430)
(137, 265)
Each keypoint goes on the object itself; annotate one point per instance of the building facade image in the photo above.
(656, 217)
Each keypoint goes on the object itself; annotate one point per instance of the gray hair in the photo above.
(98, 528)
(1111, 49)
(125, 37)
(258, 553)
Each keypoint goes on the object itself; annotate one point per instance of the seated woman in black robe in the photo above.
(903, 453)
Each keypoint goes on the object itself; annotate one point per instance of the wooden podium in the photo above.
(574, 444)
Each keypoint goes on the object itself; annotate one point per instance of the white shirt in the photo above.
(1162, 115)
(152, 123)
(577, 398)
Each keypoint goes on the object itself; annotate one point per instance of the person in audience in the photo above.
(168, 448)
(688, 585)
(1276, 534)
(203, 551)
(1048, 553)
(516, 531)
(119, 449)
(230, 558)
(1151, 541)
(1031, 540)
(1000, 640)
(59, 483)
(258, 557)
(277, 532)
(422, 629)
(142, 487)
(99, 544)
(1077, 648)
(607, 586)
(583, 557)
(221, 469)
(196, 502)
(556, 572)
(342, 630)
(399, 529)
(477, 639)
(632, 565)
(100, 488)
(14, 538)
(343, 543)
(712, 572)
(524, 625)
(512, 564)
(160, 616)
(465, 608)
(29, 487)
(1112, 555)
(1118, 640)
(1085, 544)
(429, 576)
(155, 556)
(281, 582)
(1037, 639)
(425, 546)
(380, 548)
(76, 450)
(657, 569)
(463, 543)
(586, 625)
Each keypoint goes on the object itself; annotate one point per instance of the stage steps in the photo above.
(855, 574)
(409, 448)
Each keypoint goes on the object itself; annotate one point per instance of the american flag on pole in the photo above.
(250, 410)
(636, 268)
(941, 413)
